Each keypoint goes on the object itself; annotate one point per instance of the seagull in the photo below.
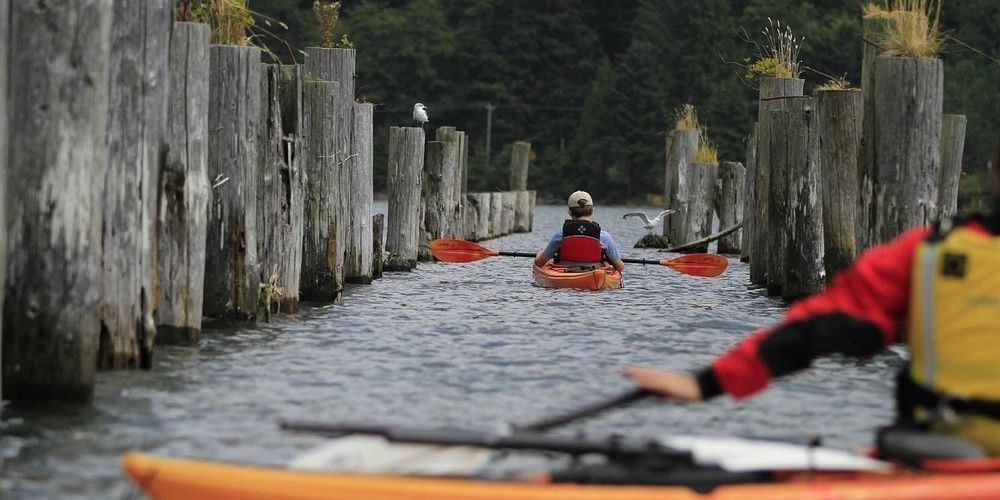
(420, 113)
(650, 225)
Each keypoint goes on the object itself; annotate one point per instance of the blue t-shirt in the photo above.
(607, 243)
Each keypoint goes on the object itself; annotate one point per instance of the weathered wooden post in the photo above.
(773, 92)
(732, 175)
(280, 189)
(358, 266)
(183, 189)
(509, 207)
(496, 215)
(337, 65)
(57, 158)
(779, 160)
(519, 157)
(232, 278)
(471, 217)
(483, 205)
(873, 27)
(406, 164)
(452, 143)
(668, 173)
(804, 232)
(378, 248)
(436, 197)
(700, 205)
(750, 195)
(952, 148)
(909, 95)
(323, 241)
(685, 143)
(839, 115)
(532, 197)
(522, 212)
(5, 22)
(138, 80)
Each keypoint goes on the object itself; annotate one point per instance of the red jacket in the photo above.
(859, 313)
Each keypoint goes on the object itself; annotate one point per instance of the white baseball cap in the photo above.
(580, 199)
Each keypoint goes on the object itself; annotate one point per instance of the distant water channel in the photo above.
(459, 345)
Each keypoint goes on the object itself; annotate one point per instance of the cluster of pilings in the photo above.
(156, 179)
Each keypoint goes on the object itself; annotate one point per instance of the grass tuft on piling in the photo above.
(686, 118)
(777, 55)
(706, 152)
(327, 15)
(912, 29)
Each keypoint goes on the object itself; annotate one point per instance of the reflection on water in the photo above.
(463, 345)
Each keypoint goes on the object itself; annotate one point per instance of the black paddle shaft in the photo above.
(624, 398)
(629, 261)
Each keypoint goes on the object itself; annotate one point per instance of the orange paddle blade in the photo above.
(450, 250)
(698, 264)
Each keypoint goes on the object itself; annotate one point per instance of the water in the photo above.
(464, 345)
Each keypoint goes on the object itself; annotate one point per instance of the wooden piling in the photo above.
(908, 107)
(483, 206)
(522, 212)
(749, 195)
(772, 96)
(5, 22)
(470, 216)
(839, 115)
(532, 198)
(804, 232)
(452, 192)
(519, 158)
(509, 208)
(323, 238)
(232, 279)
(682, 149)
(138, 80)
(183, 189)
(668, 186)
(952, 148)
(57, 158)
(700, 207)
(778, 160)
(496, 215)
(358, 265)
(378, 246)
(280, 190)
(435, 198)
(732, 176)
(406, 163)
(872, 30)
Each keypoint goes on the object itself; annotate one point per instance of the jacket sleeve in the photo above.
(858, 314)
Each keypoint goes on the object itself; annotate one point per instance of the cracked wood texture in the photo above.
(453, 157)
(138, 83)
(872, 29)
(749, 195)
(779, 156)
(183, 190)
(519, 157)
(5, 22)
(280, 188)
(679, 160)
(908, 109)
(436, 197)
(771, 94)
(509, 201)
(378, 244)
(952, 148)
(522, 212)
(496, 214)
(732, 185)
(323, 239)
(839, 115)
(406, 164)
(804, 230)
(700, 206)
(480, 203)
(358, 266)
(56, 164)
(232, 273)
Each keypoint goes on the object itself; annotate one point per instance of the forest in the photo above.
(594, 85)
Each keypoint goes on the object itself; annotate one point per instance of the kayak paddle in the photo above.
(696, 264)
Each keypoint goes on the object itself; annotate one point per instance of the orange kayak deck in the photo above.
(555, 276)
(168, 479)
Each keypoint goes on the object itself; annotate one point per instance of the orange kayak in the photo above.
(168, 479)
(555, 276)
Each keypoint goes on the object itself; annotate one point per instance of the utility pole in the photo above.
(489, 130)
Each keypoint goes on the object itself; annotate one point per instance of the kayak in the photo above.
(168, 479)
(555, 276)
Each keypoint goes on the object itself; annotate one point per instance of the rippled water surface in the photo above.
(465, 345)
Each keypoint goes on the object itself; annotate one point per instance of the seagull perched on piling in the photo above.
(420, 114)
(650, 225)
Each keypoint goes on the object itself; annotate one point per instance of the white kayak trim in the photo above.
(375, 454)
(747, 455)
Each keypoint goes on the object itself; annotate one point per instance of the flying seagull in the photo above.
(420, 113)
(650, 225)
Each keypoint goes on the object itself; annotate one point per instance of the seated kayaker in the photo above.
(938, 285)
(581, 244)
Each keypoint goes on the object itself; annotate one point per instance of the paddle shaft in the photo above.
(628, 261)
(622, 399)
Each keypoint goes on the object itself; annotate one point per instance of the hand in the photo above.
(671, 385)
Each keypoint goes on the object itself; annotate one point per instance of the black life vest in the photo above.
(581, 242)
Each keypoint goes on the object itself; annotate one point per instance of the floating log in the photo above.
(323, 240)
(436, 199)
(522, 212)
(358, 266)
(378, 248)
(772, 96)
(732, 175)
(338, 65)
(703, 243)
(5, 22)
(872, 30)
(57, 158)
(232, 279)
(509, 201)
(519, 157)
(183, 189)
(280, 190)
(685, 143)
(483, 218)
(750, 195)
(804, 233)
(138, 79)
(839, 115)
(909, 94)
(406, 163)
(496, 215)
(952, 148)
(700, 207)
